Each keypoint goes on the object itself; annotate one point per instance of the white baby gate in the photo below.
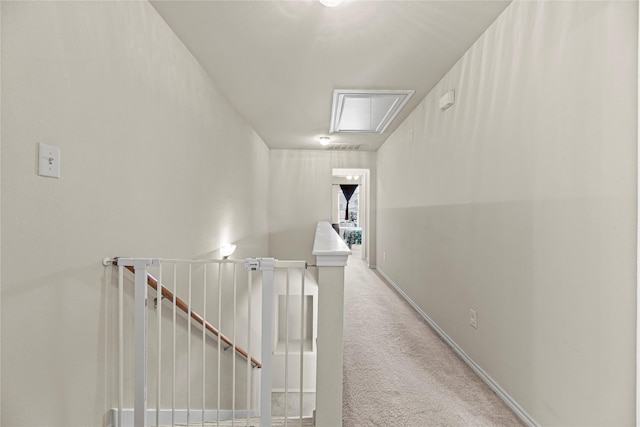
(232, 279)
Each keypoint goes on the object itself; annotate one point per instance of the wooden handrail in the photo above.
(166, 293)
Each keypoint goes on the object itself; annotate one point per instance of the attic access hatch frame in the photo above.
(366, 111)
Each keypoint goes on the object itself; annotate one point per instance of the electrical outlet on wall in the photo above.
(384, 256)
(473, 318)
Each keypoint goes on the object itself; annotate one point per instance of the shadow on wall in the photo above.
(293, 244)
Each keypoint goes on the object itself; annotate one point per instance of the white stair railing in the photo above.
(225, 273)
(331, 254)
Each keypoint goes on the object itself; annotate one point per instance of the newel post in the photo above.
(331, 254)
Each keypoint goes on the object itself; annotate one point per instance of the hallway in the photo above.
(397, 370)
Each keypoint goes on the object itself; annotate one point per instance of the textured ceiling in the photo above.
(278, 62)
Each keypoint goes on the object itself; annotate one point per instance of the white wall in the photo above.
(154, 163)
(300, 189)
(519, 202)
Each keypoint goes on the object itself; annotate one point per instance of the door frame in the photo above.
(364, 214)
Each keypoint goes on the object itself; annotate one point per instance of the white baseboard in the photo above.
(512, 403)
(180, 416)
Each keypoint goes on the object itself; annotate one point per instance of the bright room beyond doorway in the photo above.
(350, 207)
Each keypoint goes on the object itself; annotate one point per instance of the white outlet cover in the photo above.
(447, 100)
(48, 161)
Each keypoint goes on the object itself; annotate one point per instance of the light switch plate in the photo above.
(48, 161)
(473, 318)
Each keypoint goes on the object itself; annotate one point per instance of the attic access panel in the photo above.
(366, 111)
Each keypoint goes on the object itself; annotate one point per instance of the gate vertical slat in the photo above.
(140, 345)
(302, 329)
(159, 348)
(173, 368)
(286, 350)
(204, 342)
(189, 347)
(266, 265)
(120, 343)
(249, 298)
(233, 339)
(219, 341)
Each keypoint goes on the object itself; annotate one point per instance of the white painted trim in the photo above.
(181, 416)
(512, 403)
(329, 249)
(331, 260)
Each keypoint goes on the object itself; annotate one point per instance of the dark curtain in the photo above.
(347, 190)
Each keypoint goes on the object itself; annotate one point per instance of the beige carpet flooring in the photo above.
(255, 422)
(398, 372)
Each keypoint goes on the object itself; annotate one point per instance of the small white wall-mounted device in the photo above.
(447, 100)
(48, 161)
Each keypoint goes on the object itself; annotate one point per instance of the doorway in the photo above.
(350, 210)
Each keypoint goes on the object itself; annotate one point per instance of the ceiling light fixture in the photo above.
(324, 140)
(331, 3)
